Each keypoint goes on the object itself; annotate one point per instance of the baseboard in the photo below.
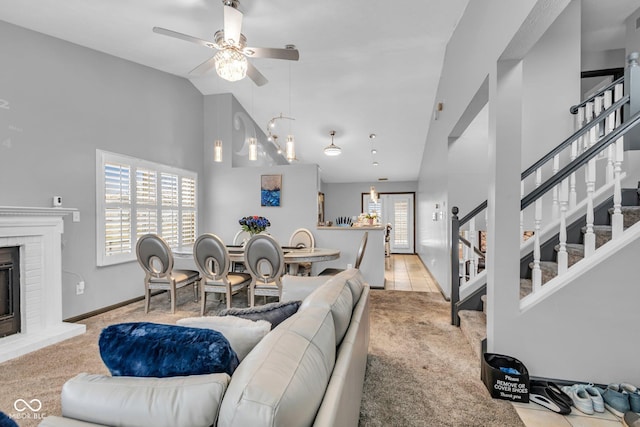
(434, 279)
(102, 310)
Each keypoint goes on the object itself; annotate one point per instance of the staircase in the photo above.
(473, 323)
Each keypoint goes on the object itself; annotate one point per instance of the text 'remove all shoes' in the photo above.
(616, 400)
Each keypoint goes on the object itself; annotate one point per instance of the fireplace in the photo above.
(9, 291)
(33, 237)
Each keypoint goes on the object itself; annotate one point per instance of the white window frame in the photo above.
(105, 157)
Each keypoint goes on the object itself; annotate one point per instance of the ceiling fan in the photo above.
(231, 60)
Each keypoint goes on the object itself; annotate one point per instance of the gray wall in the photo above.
(65, 102)
(345, 199)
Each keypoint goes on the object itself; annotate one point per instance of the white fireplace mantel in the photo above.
(38, 234)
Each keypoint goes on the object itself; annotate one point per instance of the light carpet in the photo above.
(421, 371)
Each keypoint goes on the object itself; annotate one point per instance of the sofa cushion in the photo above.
(356, 283)
(159, 402)
(299, 287)
(283, 380)
(274, 312)
(143, 349)
(243, 334)
(336, 295)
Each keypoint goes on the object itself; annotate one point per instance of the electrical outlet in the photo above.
(80, 287)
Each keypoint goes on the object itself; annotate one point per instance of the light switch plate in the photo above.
(76, 216)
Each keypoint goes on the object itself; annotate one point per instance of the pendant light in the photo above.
(290, 148)
(217, 151)
(253, 149)
(332, 149)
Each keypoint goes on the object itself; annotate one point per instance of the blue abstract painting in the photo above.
(270, 190)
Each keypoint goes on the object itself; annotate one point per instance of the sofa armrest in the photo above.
(296, 288)
(142, 401)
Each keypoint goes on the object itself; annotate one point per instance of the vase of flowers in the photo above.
(254, 224)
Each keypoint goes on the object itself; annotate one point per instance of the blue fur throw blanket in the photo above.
(143, 349)
(6, 421)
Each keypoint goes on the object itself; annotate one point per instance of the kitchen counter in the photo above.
(364, 227)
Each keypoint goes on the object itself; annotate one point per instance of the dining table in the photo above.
(293, 256)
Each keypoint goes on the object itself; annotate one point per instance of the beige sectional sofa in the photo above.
(307, 371)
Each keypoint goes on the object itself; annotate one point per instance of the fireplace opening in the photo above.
(9, 291)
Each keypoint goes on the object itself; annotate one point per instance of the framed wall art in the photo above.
(270, 190)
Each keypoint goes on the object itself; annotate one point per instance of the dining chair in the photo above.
(156, 259)
(212, 259)
(240, 238)
(264, 259)
(363, 244)
(301, 238)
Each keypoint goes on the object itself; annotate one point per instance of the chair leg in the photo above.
(228, 298)
(147, 298)
(172, 295)
(252, 296)
(203, 301)
(195, 289)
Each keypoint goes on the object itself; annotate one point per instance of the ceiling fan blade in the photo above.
(232, 25)
(181, 36)
(256, 75)
(204, 67)
(270, 52)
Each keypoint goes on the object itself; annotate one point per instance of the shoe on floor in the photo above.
(581, 399)
(631, 419)
(555, 389)
(545, 397)
(616, 400)
(596, 397)
(634, 396)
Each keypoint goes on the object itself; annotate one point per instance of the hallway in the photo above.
(407, 273)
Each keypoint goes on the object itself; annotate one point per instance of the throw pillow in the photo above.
(143, 349)
(274, 313)
(243, 334)
(6, 421)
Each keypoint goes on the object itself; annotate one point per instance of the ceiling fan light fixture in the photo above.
(332, 149)
(231, 65)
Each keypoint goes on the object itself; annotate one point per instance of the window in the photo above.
(136, 197)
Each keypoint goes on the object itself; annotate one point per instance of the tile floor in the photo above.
(408, 273)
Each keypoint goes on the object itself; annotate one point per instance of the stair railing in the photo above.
(599, 136)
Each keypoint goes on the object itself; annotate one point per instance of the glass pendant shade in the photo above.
(372, 194)
(290, 148)
(231, 65)
(217, 151)
(253, 149)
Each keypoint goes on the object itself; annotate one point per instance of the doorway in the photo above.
(398, 210)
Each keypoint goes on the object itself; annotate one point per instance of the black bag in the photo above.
(505, 383)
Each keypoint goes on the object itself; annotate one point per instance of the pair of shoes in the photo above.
(548, 397)
(631, 419)
(555, 389)
(621, 398)
(586, 398)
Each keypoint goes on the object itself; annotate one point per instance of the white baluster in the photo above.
(573, 195)
(521, 213)
(473, 259)
(589, 235)
(588, 116)
(563, 257)
(555, 206)
(463, 259)
(617, 220)
(608, 127)
(536, 273)
(597, 109)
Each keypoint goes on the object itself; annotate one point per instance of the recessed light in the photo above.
(375, 163)
(372, 135)
(374, 151)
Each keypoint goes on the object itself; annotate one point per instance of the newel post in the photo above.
(455, 266)
(632, 88)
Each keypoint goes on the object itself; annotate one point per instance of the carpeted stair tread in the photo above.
(549, 270)
(473, 325)
(484, 303)
(602, 232)
(575, 252)
(631, 215)
(526, 287)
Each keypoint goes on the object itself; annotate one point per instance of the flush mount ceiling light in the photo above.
(332, 149)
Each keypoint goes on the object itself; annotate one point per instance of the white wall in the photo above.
(66, 101)
(483, 33)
